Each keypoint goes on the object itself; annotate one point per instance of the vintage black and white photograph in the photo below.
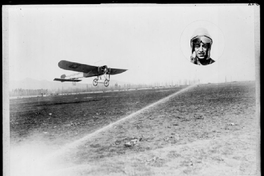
(131, 90)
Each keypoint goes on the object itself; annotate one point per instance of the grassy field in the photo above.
(69, 117)
(209, 129)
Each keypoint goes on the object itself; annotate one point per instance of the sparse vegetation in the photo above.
(208, 130)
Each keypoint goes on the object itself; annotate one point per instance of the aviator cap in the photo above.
(201, 35)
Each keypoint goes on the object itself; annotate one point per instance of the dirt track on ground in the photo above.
(208, 130)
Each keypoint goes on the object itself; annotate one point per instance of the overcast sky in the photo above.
(149, 40)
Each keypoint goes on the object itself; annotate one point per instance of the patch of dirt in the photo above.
(61, 119)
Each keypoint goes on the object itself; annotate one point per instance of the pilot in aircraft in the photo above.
(88, 71)
(201, 44)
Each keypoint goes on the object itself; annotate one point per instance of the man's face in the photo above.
(201, 50)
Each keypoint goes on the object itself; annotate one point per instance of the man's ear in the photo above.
(193, 54)
(208, 53)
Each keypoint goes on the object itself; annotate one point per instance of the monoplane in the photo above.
(88, 71)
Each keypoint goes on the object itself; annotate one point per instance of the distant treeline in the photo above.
(90, 88)
(26, 92)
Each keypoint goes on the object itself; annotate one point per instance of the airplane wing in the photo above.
(89, 70)
(114, 71)
(74, 66)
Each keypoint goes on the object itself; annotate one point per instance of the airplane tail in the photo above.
(66, 80)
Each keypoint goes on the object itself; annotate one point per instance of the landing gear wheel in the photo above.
(106, 83)
(95, 82)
